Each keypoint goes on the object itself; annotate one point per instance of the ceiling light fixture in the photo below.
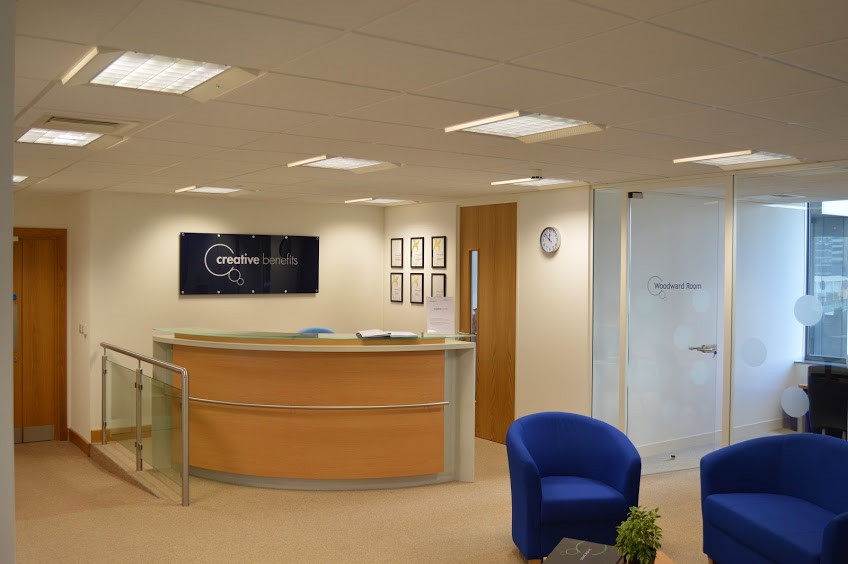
(343, 163)
(740, 159)
(379, 201)
(18, 178)
(58, 137)
(157, 73)
(527, 128)
(207, 190)
(533, 181)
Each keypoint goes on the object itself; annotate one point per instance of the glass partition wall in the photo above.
(658, 289)
(790, 292)
(677, 364)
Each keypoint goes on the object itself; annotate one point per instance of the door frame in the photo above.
(60, 363)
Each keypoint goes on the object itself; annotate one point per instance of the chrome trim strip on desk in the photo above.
(323, 407)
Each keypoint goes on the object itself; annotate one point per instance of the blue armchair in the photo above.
(570, 476)
(777, 500)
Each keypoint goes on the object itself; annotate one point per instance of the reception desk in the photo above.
(326, 411)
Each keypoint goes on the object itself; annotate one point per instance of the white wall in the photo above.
(428, 221)
(123, 277)
(553, 368)
(123, 273)
(770, 275)
(7, 460)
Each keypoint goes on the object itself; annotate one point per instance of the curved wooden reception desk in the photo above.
(327, 411)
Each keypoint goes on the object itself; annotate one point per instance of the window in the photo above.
(827, 279)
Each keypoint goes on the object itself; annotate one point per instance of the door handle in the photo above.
(706, 349)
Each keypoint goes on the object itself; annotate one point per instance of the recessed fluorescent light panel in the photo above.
(207, 190)
(18, 178)
(344, 163)
(378, 201)
(528, 128)
(157, 73)
(338, 163)
(533, 181)
(739, 159)
(58, 137)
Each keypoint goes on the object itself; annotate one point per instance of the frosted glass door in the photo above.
(675, 302)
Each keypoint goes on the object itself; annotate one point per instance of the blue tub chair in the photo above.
(570, 476)
(777, 500)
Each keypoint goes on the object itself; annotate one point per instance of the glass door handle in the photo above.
(705, 349)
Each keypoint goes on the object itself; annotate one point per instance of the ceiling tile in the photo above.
(800, 108)
(26, 89)
(830, 59)
(76, 22)
(421, 111)
(698, 124)
(379, 63)
(772, 138)
(512, 28)
(748, 81)
(619, 106)
(45, 59)
(643, 9)
(343, 15)
(633, 53)
(305, 94)
(762, 26)
(213, 34)
(252, 118)
(199, 134)
(513, 88)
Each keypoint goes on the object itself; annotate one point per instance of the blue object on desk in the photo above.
(316, 330)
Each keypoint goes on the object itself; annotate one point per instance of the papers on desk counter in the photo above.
(380, 334)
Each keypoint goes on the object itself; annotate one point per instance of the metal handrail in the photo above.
(183, 412)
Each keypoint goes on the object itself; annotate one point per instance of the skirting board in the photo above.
(76, 439)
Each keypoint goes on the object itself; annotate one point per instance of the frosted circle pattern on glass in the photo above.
(754, 352)
(683, 337)
(808, 310)
(794, 401)
(701, 300)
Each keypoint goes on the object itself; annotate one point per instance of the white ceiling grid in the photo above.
(381, 79)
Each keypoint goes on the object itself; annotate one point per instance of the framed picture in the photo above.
(397, 253)
(438, 283)
(416, 288)
(439, 251)
(396, 286)
(416, 252)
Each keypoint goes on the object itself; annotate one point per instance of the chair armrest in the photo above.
(835, 540)
(526, 489)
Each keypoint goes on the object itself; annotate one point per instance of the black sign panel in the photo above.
(217, 263)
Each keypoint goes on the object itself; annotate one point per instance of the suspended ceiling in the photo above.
(381, 79)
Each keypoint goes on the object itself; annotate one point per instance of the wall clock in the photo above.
(550, 239)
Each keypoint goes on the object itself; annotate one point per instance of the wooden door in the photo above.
(40, 369)
(492, 232)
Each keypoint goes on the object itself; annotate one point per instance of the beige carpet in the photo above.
(69, 510)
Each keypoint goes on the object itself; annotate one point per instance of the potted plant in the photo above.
(639, 536)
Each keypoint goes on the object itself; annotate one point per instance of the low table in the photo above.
(574, 551)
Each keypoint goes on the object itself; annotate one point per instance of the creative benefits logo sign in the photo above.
(216, 263)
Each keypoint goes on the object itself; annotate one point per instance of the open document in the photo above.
(379, 333)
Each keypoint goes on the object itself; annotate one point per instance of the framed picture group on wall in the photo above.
(438, 259)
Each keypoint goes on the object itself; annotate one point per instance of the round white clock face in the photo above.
(549, 239)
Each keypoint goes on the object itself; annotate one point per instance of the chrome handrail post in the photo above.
(138, 443)
(184, 413)
(103, 361)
